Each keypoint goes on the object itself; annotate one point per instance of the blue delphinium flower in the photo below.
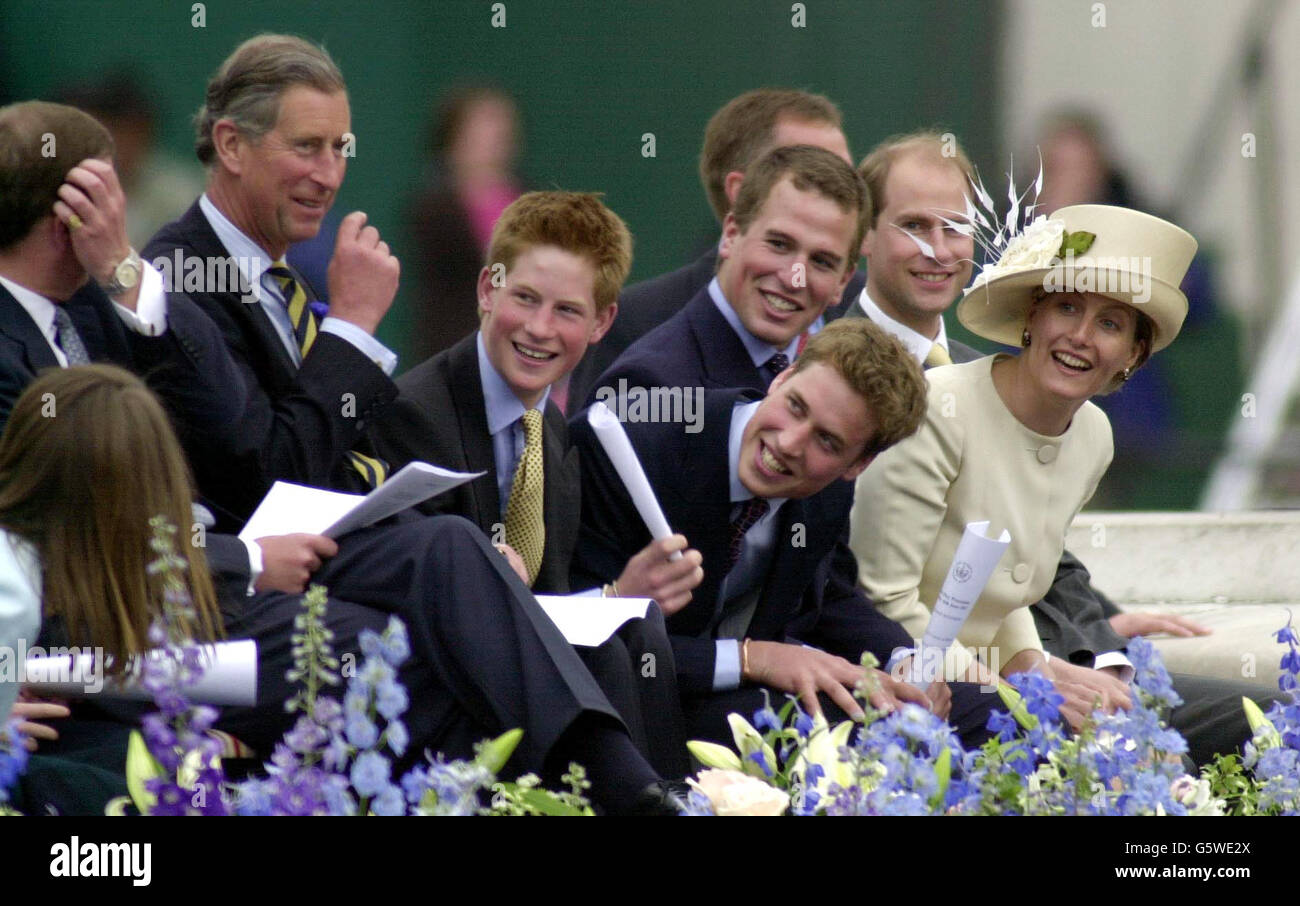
(390, 699)
(360, 731)
(1151, 676)
(698, 806)
(13, 757)
(389, 802)
(370, 772)
(397, 737)
(765, 719)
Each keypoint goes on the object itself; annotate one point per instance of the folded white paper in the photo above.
(972, 565)
(609, 431)
(229, 676)
(288, 508)
(588, 620)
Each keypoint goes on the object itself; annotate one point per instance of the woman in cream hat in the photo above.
(1089, 294)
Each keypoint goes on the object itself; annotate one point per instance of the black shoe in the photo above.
(661, 798)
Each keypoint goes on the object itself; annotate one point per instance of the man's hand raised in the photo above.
(93, 207)
(363, 274)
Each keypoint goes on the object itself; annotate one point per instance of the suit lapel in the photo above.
(561, 502)
(692, 477)
(466, 389)
(19, 328)
(269, 349)
(726, 361)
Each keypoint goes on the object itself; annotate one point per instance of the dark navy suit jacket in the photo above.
(810, 592)
(298, 422)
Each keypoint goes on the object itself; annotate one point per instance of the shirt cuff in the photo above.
(150, 315)
(587, 593)
(1116, 659)
(371, 348)
(726, 665)
(255, 563)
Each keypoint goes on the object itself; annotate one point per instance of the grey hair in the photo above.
(246, 88)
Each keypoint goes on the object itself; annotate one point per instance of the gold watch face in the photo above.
(127, 273)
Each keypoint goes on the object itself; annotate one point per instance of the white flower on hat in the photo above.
(1037, 246)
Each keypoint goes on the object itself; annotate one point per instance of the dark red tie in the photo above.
(753, 510)
(775, 365)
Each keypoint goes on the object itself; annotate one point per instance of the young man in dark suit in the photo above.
(788, 250)
(548, 289)
(764, 492)
(739, 133)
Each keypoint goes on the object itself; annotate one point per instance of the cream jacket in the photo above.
(971, 461)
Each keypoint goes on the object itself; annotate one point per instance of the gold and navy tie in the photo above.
(303, 319)
(301, 316)
(525, 530)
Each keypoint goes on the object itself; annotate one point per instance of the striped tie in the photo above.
(525, 528)
(295, 300)
(303, 319)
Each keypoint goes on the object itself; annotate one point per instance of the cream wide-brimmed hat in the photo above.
(1117, 252)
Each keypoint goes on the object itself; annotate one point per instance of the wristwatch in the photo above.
(126, 275)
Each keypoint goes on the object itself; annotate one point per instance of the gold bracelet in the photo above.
(744, 660)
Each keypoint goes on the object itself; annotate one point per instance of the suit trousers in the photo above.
(484, 657)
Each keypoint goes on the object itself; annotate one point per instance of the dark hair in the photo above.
(745, 127)
(39, 143)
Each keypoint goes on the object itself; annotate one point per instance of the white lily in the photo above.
(823, 749)
(749, 741)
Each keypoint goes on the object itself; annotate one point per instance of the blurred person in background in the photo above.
(476, 145)
(158, 184)
(1080, 167)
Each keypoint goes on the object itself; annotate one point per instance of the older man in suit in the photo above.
(739, 133)
(274, 133)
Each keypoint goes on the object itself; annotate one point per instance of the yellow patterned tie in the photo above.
(525, 530)
(937, 356)
(295, 300)
(303, 319)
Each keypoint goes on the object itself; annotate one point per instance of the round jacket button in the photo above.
(1047, 453)
(1021, 572)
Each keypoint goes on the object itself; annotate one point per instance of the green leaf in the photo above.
(546, 803)
(1016, 705)
(1076, 243)
(141, 766)
(943, 774)
(494, 754)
